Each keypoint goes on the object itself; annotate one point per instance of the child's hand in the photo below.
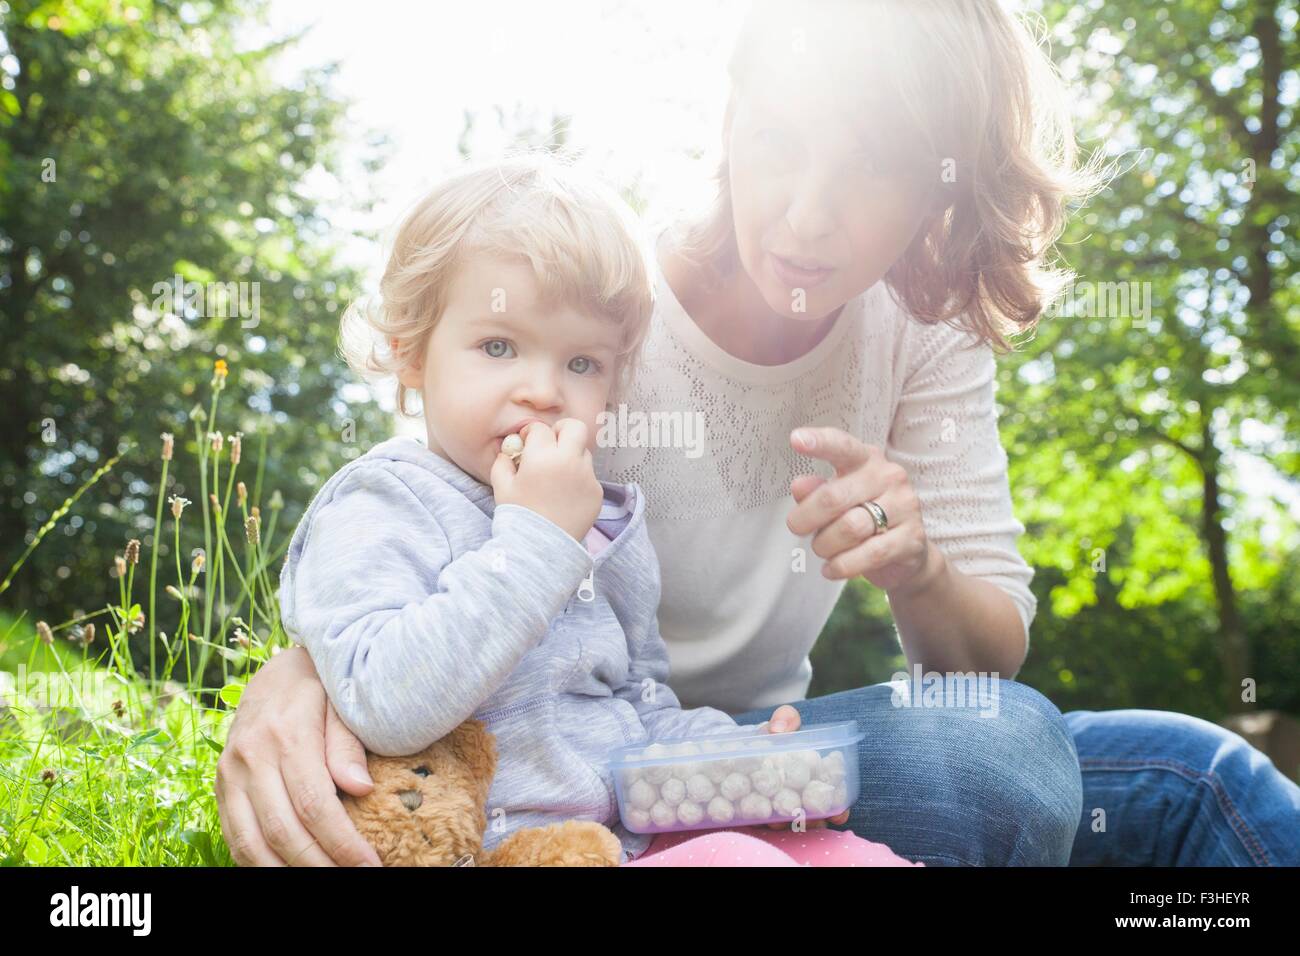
(784, 720)
(555, 477)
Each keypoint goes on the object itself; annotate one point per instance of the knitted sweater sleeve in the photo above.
(945, 433)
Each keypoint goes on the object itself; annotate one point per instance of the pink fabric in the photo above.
(760, 846)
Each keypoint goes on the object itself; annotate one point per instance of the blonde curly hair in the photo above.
(966, 87)
(581, 239)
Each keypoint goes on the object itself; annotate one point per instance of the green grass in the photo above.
(110, 729)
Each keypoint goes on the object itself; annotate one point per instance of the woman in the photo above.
(837, 311)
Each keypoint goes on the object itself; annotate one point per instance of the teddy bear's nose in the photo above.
(411, 799)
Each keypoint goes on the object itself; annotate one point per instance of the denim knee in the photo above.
(1028, 789)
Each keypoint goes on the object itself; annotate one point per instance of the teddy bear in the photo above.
(428, 809)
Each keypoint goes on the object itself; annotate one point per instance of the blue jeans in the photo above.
(953, 786)
(1174, 790)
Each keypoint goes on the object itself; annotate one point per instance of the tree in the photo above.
(1182, 343)
(141, 143)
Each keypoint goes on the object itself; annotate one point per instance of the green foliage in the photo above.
(141, 143)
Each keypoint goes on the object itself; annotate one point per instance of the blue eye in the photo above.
(487, 347)
(590, 363)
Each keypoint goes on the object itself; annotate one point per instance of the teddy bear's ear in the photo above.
(473, 744)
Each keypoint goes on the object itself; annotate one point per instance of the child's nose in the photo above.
(539, 388)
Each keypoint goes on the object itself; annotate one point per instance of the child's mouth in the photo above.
(518, 427)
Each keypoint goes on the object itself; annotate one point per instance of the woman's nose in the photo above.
(809, 215)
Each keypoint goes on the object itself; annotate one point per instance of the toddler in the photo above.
(434, 583)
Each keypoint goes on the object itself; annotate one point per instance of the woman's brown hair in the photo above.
(968, 89)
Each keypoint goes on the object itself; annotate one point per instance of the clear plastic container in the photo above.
(737, 778)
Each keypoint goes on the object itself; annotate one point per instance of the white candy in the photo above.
(786, 802)
(832, 775)
(818, 798)
(700, 788)
(755, 806)
(746, 765)
(796, 773)
(776, 764)
(841, 796)
(663, 815)
(631, 775)
(684, 771)
(721, 810)
(513, 446)
(672, 792)
(766, 780)
(661, 772)
(637, 819)
(735, 786)
(642, 795)
(831, 768)
(716, 770)
(689, 812)
(810, 757)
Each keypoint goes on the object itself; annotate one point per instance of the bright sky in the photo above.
(644, 83)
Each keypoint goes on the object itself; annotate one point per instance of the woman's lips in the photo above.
(798, 277)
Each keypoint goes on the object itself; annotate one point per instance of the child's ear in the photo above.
(412, 373)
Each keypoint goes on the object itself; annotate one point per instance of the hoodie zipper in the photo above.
(587, 589)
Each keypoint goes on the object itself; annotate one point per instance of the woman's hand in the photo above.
(784, 720)
(900, 558)
(284, 754)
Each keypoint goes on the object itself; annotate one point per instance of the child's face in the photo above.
(498, 356)
(803, 187)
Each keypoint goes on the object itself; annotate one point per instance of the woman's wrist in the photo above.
(929, 578)
(947, 620)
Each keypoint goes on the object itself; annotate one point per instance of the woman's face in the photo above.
(820, 216)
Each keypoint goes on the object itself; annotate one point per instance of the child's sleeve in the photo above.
(407, 641)
(647, 690)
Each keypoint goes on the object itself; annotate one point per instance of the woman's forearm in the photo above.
(949, 621)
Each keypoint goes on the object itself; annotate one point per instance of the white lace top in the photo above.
(743, 599)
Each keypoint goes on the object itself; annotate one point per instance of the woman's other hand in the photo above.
(286, 751)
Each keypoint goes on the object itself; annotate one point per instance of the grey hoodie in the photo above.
(422, 604)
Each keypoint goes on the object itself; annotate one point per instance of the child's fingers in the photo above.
(784, 719)
(571, 435)
(502, 474)
(536, 434)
